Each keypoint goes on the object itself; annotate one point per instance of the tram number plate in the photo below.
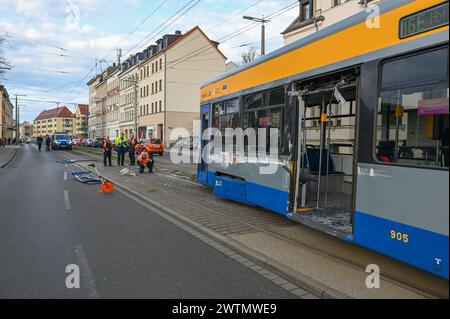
(424, 21)
(400, 236)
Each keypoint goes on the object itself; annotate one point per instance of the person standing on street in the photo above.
(107, 151)
(40, 140)
(48, 141)
(121, 145)
(132, 149)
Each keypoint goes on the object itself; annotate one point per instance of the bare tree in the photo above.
(249, 55)
(4, 66)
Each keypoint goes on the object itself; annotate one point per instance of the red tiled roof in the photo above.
(58, 112)
(84, 109)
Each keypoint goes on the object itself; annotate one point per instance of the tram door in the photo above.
(327, 144)
(205, 123)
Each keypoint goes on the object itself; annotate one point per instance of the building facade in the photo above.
(80, 123)
(112, 105)
(170, 79)
(93, 110)
(26, 130)
(129, 84)
(52, 121)
(318, 14)
(6, 114)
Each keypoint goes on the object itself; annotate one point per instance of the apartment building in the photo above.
(112, 105)
(129, 83)
(98, 102)
(55, 120)
(318, 14)
(6, 114)
(80, 123)
(93, 110)
(170, 76)
(26, 130)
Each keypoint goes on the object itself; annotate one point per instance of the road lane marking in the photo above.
(87, 278)
(65, 176)
(66, 200)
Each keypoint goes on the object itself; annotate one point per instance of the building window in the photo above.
(153, 88)
(156, 67)
(413, 113)
(160, 64)
(160, 85)
(306, 10)
(160, 106)
(337, 2)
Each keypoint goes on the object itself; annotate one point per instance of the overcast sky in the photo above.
(52, 52)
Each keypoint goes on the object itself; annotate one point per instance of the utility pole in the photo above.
(17, 117)
(263, 31)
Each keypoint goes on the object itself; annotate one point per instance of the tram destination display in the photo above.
(424, 21)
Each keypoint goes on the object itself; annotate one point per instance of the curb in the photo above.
(10, 159)
(311, 285)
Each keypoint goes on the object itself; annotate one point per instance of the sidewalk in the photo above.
(320, 264)
(7, 154)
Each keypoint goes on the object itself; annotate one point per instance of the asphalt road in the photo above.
(122, 249)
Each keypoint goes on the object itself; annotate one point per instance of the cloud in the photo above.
(107, 25)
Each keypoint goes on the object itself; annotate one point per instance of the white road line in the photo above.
(66, 200)
(87, 278)
(65, 176)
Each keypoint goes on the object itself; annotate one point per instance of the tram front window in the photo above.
(413, 113)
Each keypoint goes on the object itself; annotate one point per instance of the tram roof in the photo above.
(359, 18)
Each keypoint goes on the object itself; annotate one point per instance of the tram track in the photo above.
(185, 200)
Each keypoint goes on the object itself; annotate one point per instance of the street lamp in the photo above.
(17, 117)
(263, 31)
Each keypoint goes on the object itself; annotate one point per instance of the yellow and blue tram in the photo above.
(363, 116)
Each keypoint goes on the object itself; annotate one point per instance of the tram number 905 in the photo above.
(400, 236)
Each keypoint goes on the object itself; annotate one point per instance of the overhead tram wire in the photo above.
(156, 30)
(221, 23)
(138, 26)
(81, 29)
(129, 50)
(9, 34)
(232, 35)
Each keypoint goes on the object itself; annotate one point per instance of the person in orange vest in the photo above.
(107, 150)
(138, 148)
(145, 161)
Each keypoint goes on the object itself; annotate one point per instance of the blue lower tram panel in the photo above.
(417, 247)
(420, 248)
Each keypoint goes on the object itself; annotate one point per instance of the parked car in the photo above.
(87, 142)
(79, 142)
(97, 143)
(61, 141)
(156, 146)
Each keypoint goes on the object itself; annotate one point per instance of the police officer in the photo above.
(121, 145)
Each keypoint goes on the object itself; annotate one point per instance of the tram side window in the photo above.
(413, 110)
(263, 110)
(226, 115)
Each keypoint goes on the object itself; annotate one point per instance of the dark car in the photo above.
(61, 141)
(98, 142)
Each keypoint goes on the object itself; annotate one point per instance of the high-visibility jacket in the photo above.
(107, 145)
(121, 142)
(144, 159)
